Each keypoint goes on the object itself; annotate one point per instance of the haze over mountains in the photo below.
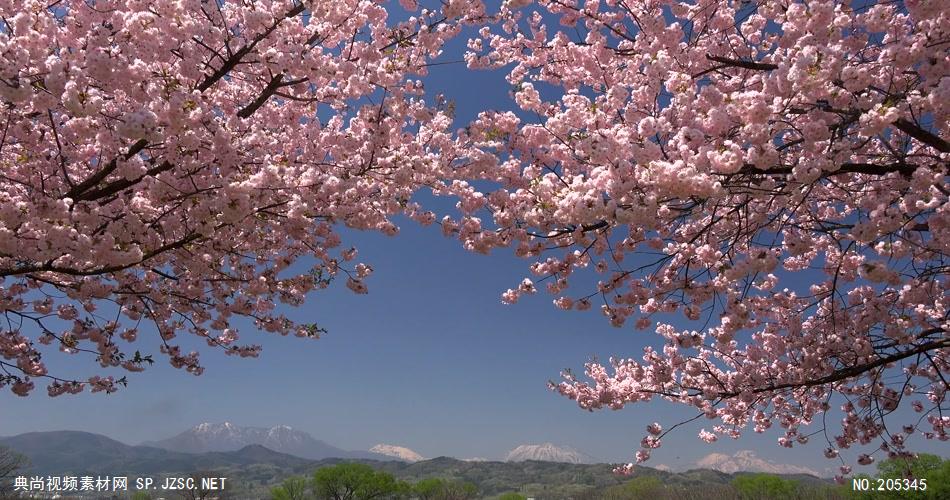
(254, 469)
(225, 436)
(210, 445)
(226, 444)
(75, 452)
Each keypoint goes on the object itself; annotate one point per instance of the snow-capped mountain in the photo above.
(748, 461)
(547, 452)
(400, 452)
(229, 437)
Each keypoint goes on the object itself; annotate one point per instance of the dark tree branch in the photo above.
(118, 185)
(922, 135)
(584, 228)
(235, 58)
(740, 63)
(853, 371)
(98, 177)
(49, 267)
(905, 169)
(271, 88)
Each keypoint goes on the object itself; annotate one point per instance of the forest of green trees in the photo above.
(445, 479)
(355, 481)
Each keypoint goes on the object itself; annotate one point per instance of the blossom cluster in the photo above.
(775, 172)
(165, 165)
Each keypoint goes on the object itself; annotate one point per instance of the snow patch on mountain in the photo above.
(748, 461)
(226, 436)
(400, 452)
(547, 452)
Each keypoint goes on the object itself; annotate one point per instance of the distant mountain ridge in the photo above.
(748, 461)
(76, 452)
(225, 436)
(254, 469)
(547, 452)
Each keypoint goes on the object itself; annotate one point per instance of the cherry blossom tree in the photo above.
(164, 164)
(770, 175)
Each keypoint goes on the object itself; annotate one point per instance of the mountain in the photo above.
(64, 451)
(748, 461)
(547, 452)
(254, 469)
(399, 452)
(80, 453)
(209, 437)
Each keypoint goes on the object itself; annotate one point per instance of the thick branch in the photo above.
(905, 169)
(98, 177)
(271, 88)
(922, 135)
(740, 63)
(119, 185)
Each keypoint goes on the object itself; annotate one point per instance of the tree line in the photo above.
(354, 481)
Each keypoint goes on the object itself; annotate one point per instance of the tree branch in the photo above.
(905, 169)
(740, 63)
(856, 370)
(235, 58)
(119, 185)
(97, 177)
(271, 88)
(49, 267)
(922, 135)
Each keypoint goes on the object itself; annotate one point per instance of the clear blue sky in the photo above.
(429, 359)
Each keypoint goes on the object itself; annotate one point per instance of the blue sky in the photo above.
(429, 359)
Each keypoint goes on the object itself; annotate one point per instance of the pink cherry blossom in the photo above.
(762, 184)
(707, 436)
(783, 190)
(165, 160)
